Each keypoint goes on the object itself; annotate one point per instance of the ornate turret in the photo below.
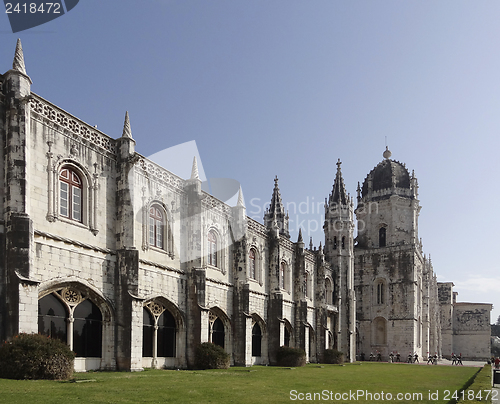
(275, 215)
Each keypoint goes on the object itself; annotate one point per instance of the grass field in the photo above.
(245, 385)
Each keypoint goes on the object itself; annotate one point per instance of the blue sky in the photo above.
(286, 88)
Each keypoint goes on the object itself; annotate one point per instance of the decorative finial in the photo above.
(194, 171)
(387, 153)
(240, 198)
(310, 243)
(300, 240)
(18, 63)
(339, 163)
(127, 131)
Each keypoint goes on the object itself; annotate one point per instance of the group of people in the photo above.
(412, 358)
(456, 360)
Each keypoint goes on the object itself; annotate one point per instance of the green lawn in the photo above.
(243, 385)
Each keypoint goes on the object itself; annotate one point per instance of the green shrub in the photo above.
(211, 356)
(292, 357)
(333, 356)
(35, 356)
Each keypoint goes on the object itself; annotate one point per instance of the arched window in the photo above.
(380, 292)
(256, 340)
(218, 334)
(251, 259)
(70, 194)
(156, 227)
(334, 242)
(329, 291)
(212, 248)
(382, 237)
(74, 319)
(343, 242)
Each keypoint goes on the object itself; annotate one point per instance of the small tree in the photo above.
(35, 356)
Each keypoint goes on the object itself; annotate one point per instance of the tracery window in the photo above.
(159, 330)
(70, 194)
(212, 248)
(74, 319)
(252, 266)
(156, 227)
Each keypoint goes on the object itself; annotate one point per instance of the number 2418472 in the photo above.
(33, 8)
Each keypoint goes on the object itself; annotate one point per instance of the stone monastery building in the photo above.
(133, 266)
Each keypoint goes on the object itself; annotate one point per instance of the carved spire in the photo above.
(194, 170)
(339, 194)
(240, 198)
(18, 63)
(127, 131)
(276, 206)
(310, 243)
(276, 212)
(300, 239)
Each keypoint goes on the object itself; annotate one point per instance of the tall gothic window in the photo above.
(282, 275)
(251, 258)
(156, 227)
(212, 248)
(380, 292)
(343, 242)
(334, 242)
(382, 233)
(70, 194)
(329, 291)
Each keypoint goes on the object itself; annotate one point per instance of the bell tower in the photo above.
(389, 262)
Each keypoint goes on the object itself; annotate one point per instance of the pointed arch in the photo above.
(88, 318)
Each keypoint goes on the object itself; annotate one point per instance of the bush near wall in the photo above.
(333, 356)
(211, 356)
(292, 357)
(35, 356)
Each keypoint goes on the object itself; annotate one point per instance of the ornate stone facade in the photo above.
(134, 266)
